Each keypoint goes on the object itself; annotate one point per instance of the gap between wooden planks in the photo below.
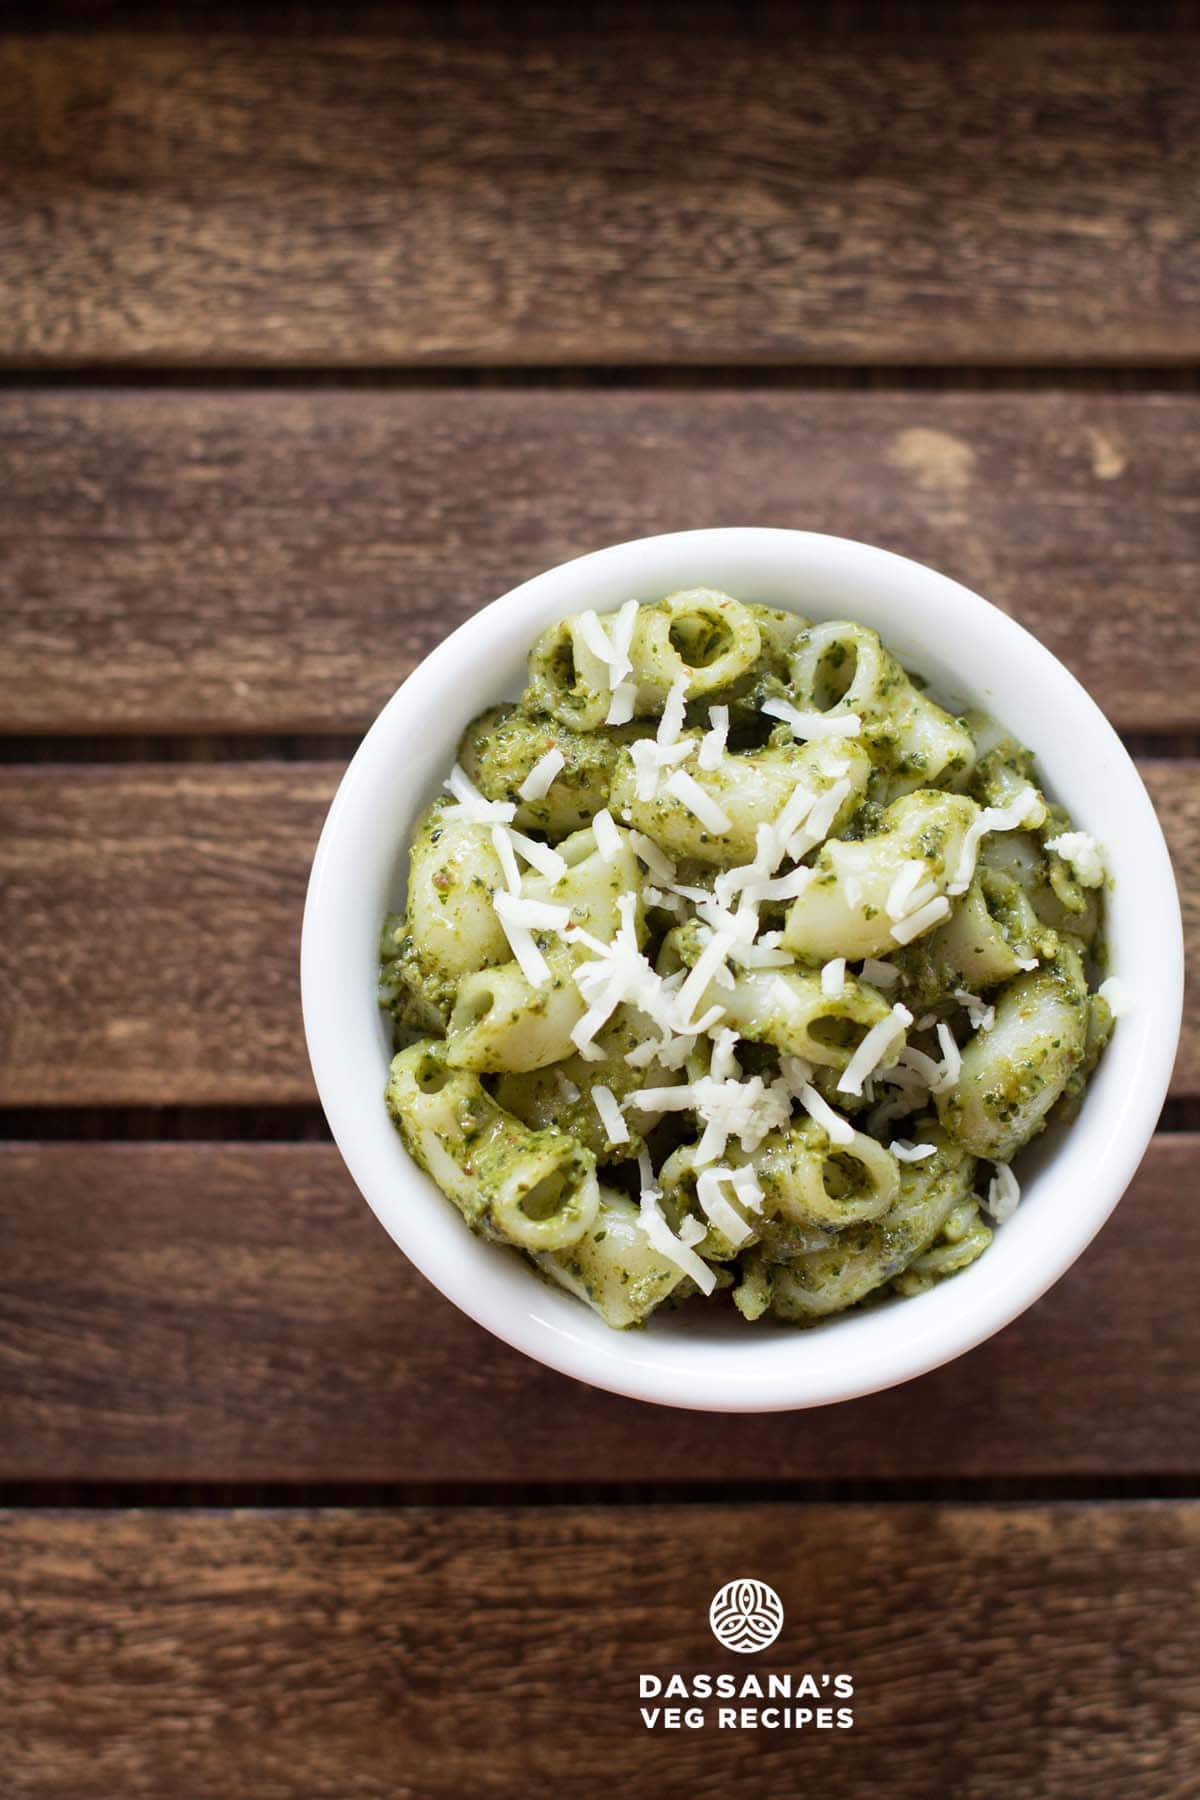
(181, 561)
(503, 197)
(233, 1312)
(429, 1654)
(150, 918)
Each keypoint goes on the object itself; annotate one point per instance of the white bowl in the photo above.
(700, 1357)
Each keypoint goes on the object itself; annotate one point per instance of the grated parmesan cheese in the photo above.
(712, 744)
(699, 803)
(717, 1209)
(1004, 1194)
(608, 838)
(879, 974)
(1117, 995)
(911, 1153)
(907, 879)
(833, 978)
(951, 1060)
(906, 929)
(874, 1047)
(541, 857)
(837, 1129)
(471, 806)
(673, 1248)
(620, 707)
(980, 1015)
(656, 860)
(1081, 851)
(507, 856)
(813, 724)
(1027, 809)
(611, 1118)
(540, 779)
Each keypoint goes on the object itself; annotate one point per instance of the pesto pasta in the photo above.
(733, 964)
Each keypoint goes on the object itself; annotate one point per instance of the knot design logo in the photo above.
(746, 1616)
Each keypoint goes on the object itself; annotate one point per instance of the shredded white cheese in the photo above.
(980, 1015)
(1118, 996)
(819, 823)
(717, 1209)
(656, 860)
(838, 1130)
(906, 929)
(1083, 854)
(608, 838)
(541, 857)
(874, 1048)
(833, 978)
(472, 808)
(1004, 1192)
(663, 1239)
(903, 1151)
(503, 846)
(699, 803)
(951, 1060)
(879, 974)
(813, 724)
(908, 877)
(1027, 809)
(540, 779)
(611, 1117)
(620, 707)
(712, 744)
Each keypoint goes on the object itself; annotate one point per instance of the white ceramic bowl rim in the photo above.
(971, 652)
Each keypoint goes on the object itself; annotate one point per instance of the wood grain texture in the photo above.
(278, 561)
(426, 1655)
(150, 921)
(256, 198)
(233, 1313)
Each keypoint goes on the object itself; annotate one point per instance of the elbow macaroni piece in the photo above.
(1013, 1074)
(613, 1267)
(535, 1189)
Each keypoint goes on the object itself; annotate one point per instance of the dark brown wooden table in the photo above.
(320, 329)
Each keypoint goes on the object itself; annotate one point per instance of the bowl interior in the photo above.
(705, 1355)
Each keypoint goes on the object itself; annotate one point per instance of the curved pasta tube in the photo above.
(964, 1236)
(613, 1266)
(807, 1180)
(864, 1257)
(749, 788)
(1012, 1075)
(991, 931)
(839, 667)
(501, 1021)
(792, 1012)
(562, 1095)
(1018, 855)
(566, 679)
(450, 926)
(536, 1189)
(699, 634)
(844, 910)
(502, 746)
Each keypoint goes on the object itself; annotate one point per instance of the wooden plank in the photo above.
(361, 200)
(150, 918)
(190, 1312)
(279, 561)
(346, 1655)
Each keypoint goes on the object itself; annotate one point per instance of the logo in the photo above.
(746, 1616)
